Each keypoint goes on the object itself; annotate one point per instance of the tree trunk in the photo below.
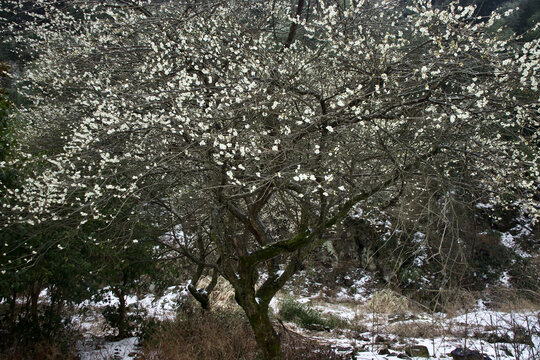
(13, 312)
(13, 308)
(201, 297)
(122, 314)
(267, 338)
(34, 300)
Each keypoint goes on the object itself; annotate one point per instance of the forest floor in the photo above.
(377, 325)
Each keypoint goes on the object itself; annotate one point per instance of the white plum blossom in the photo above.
(249, 137)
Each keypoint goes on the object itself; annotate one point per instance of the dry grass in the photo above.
(225, 336)
(455, 301)
(512, 300)
(298, 347)
(387, 302)
(222, 297)
(202, 336)
(417, 329)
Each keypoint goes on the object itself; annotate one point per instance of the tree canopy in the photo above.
(249, 129)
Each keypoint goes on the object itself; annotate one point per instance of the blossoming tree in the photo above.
(252, 128)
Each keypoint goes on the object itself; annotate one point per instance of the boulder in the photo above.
(417, 351)
(466, 354)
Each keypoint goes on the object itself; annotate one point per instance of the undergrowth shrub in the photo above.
(50, 337)
(135, 319)
(56, 348)
(225, 336)
(44, 350)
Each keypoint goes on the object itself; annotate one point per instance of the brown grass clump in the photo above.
(387, 302)
(417, 329)
(455, 301)
(202, 336)
(511, 300)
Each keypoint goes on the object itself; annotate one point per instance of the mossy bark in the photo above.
(256, 310)
(267, 338)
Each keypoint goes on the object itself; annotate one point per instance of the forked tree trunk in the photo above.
(267, 338)
(202, 296)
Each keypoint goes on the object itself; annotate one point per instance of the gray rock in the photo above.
(465, 354)
(417, 351)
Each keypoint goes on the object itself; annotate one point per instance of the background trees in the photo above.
(247, 141)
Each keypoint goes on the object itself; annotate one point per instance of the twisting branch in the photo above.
(308, 238)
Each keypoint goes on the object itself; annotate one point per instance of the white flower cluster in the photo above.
(216, 107)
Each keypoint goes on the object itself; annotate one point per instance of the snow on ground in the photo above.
(125, 349)
(344, 311)
(164, 307)
(91, 321)
(93, 325)
(500, 335)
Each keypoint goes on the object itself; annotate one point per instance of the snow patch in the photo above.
(125, 349)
